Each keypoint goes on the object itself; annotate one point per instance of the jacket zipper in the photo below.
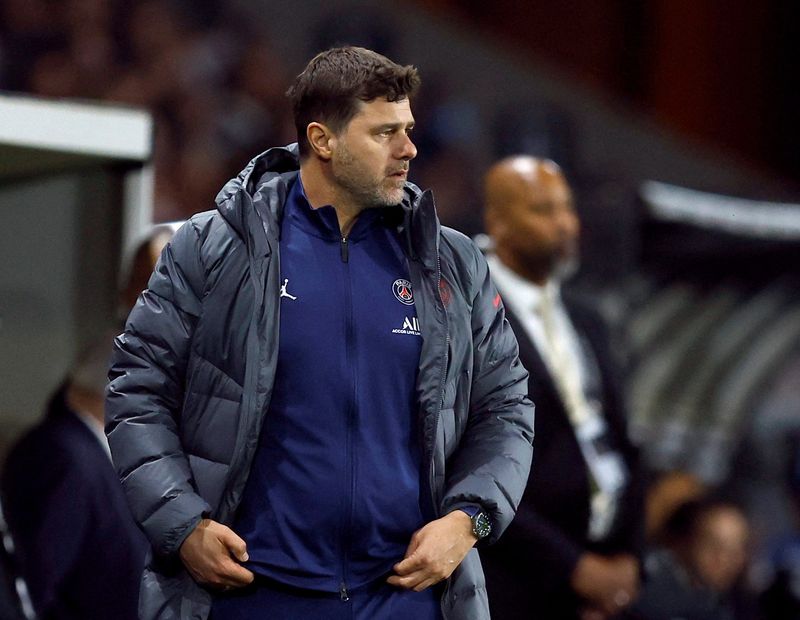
(351, 422)
(442, 379)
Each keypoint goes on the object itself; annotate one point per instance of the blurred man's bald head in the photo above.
(510, 177)
(530, 217)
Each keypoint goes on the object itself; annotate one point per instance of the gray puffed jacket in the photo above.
(192, 374)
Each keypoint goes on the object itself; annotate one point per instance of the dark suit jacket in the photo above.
(528, 570)
(80, 550)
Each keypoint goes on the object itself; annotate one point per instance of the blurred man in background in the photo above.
(666, 491)
(695, 572)
(79, 548)
(572, 549)
(76, 538)
(141, 264)
(779, 569)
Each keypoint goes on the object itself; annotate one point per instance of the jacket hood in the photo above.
(264, 179)
(261, 188)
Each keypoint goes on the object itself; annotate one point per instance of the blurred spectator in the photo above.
(664, 495)
(53, 75)
(142, 262)
(572, 549)
(80, 551)
(65, 460)
(213, 93)
(780, 571)
(27, 30)
(695, 573)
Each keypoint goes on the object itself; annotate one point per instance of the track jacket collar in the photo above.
(253, 201)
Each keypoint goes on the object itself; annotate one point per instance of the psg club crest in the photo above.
(402, 291)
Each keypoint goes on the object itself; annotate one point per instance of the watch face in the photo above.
(481, 525)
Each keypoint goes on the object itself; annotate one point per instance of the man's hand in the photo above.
(210, 554)
(609, 584)
(434, 552)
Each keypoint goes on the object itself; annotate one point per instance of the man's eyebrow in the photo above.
(398, 125)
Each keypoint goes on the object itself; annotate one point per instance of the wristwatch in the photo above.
(481, 523)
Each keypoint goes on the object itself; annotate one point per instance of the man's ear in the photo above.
(320, 138)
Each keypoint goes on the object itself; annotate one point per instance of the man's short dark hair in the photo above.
(332, 84)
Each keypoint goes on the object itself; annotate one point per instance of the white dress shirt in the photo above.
(526, 300)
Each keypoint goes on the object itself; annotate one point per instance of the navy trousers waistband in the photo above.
(269, 600)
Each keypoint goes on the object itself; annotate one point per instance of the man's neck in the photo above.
(90, 405)
(538, 275)
(320, 192)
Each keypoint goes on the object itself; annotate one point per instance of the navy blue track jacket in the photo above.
(334, 493)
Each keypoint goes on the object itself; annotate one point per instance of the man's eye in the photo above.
(542, 208)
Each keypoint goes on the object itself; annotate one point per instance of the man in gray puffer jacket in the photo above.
(317, 408)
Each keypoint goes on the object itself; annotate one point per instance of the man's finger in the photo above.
(425, 585)
(413, 545)
(417, 581)
(409, 565)
(236, 545)
(395, 580)
(407, 582)
(235, 575)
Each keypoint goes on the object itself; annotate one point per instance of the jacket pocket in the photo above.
(168, 592)
(210, 412)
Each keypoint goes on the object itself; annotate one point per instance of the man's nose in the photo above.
(569, 223)
(408, 150)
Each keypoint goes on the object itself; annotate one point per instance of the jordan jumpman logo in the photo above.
(284, 293)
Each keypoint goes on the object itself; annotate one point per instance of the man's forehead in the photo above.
(525, 189)
(380, 110)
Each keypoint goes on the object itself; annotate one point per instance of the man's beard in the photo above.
(360, 186)
(554, 265)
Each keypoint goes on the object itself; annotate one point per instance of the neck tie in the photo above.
(563, 364)
(605, 471)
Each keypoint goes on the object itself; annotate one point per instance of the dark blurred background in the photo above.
(717, 72)
(674, 120)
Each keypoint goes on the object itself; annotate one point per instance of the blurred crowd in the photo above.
(215, 86)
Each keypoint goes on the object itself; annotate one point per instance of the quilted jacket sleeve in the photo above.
(493, 460)
(144, 397)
